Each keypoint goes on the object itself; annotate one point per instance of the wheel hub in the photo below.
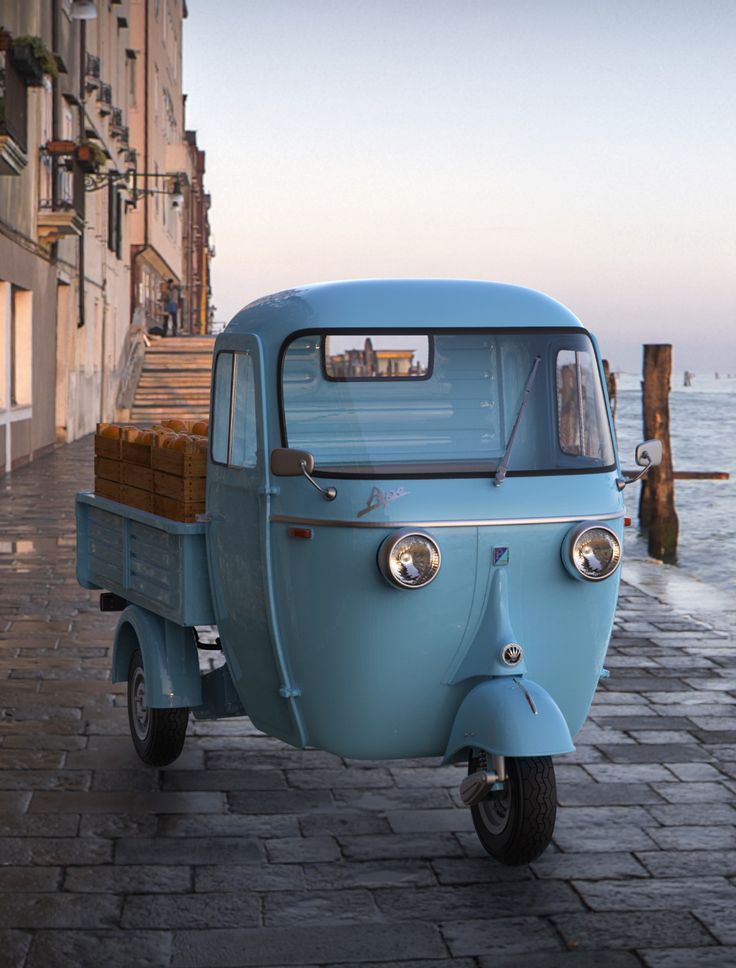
(495, 810)
(141, 716)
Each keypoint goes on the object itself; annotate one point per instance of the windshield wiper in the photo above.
(502, 467)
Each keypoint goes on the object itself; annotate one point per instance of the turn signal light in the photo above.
(305, 533)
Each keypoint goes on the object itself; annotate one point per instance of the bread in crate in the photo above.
(160, 469)
(108, 441)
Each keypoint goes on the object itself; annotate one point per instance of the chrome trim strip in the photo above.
(480, 523)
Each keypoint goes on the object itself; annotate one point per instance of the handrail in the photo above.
(134, 352)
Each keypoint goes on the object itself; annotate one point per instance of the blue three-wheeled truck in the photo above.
(411, 544)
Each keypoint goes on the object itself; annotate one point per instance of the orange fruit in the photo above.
(178, 426)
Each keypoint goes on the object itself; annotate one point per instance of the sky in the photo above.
(585, 148)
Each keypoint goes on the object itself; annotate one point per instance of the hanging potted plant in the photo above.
(33, 59)
(89, 155)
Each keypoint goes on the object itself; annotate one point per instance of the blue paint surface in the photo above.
(320, 648)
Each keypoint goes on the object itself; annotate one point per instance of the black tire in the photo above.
(517, 826)
(158, 734)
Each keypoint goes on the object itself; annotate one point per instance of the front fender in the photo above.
(170, 658)
(509, 716)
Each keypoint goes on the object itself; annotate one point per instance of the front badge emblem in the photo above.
(500, 556)
(511, 654)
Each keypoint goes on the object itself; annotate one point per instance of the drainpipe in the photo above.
(54, 103)
(146, 108)
(138, 250)
(78, 174)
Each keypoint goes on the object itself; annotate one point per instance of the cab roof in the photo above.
(399, 304)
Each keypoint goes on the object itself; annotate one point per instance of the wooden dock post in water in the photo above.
(657, 513)
(610, 378)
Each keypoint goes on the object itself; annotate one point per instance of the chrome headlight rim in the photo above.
(573, 537)
(387, 546)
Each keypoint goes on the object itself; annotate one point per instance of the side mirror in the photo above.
(286, 462)
(649, 453)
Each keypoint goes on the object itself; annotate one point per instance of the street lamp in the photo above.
(83, 10)
(174, 183)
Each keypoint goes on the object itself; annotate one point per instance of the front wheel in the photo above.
(516, 825)
(158, 734)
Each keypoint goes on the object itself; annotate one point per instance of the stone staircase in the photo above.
(175, 380)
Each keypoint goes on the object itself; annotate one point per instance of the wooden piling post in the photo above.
(657, 513)
(610, 378)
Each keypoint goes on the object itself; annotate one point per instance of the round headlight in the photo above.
(593, 552)
(409, 559)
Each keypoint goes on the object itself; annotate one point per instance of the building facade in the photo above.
(197, 309)
(94, 178)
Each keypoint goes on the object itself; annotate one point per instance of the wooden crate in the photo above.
(135, 453)
(108, 469)
(136, 476)
(178, 463)
(169, 507)
(107, 447)
(108, 489)
(179, 488)
(136, 498)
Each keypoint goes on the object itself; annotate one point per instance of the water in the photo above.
(703, 431)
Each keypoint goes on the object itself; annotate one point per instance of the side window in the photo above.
(580, 408)
(243, 443)
(234, 418)
(221, 413)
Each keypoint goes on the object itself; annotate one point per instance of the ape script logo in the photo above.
(381, 499)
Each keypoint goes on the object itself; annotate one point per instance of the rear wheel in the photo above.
(158, 734)
(516, 825)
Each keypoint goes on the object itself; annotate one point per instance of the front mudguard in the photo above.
(509, 716)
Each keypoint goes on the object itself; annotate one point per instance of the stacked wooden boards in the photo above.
(156, 478)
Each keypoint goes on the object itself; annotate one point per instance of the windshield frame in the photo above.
(362, 473)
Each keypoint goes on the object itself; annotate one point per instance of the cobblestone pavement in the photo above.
(248, 852)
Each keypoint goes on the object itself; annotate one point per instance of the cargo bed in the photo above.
(149, 560)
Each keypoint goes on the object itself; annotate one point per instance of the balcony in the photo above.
(60, 215)
(104, 99)
(13, 118)
(54, 223)
(92, 68)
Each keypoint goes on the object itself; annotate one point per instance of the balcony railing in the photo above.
(93, 66)
(104, 98)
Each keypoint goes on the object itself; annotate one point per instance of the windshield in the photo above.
(448, 406)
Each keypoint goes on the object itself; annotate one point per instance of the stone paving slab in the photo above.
(249, 853)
